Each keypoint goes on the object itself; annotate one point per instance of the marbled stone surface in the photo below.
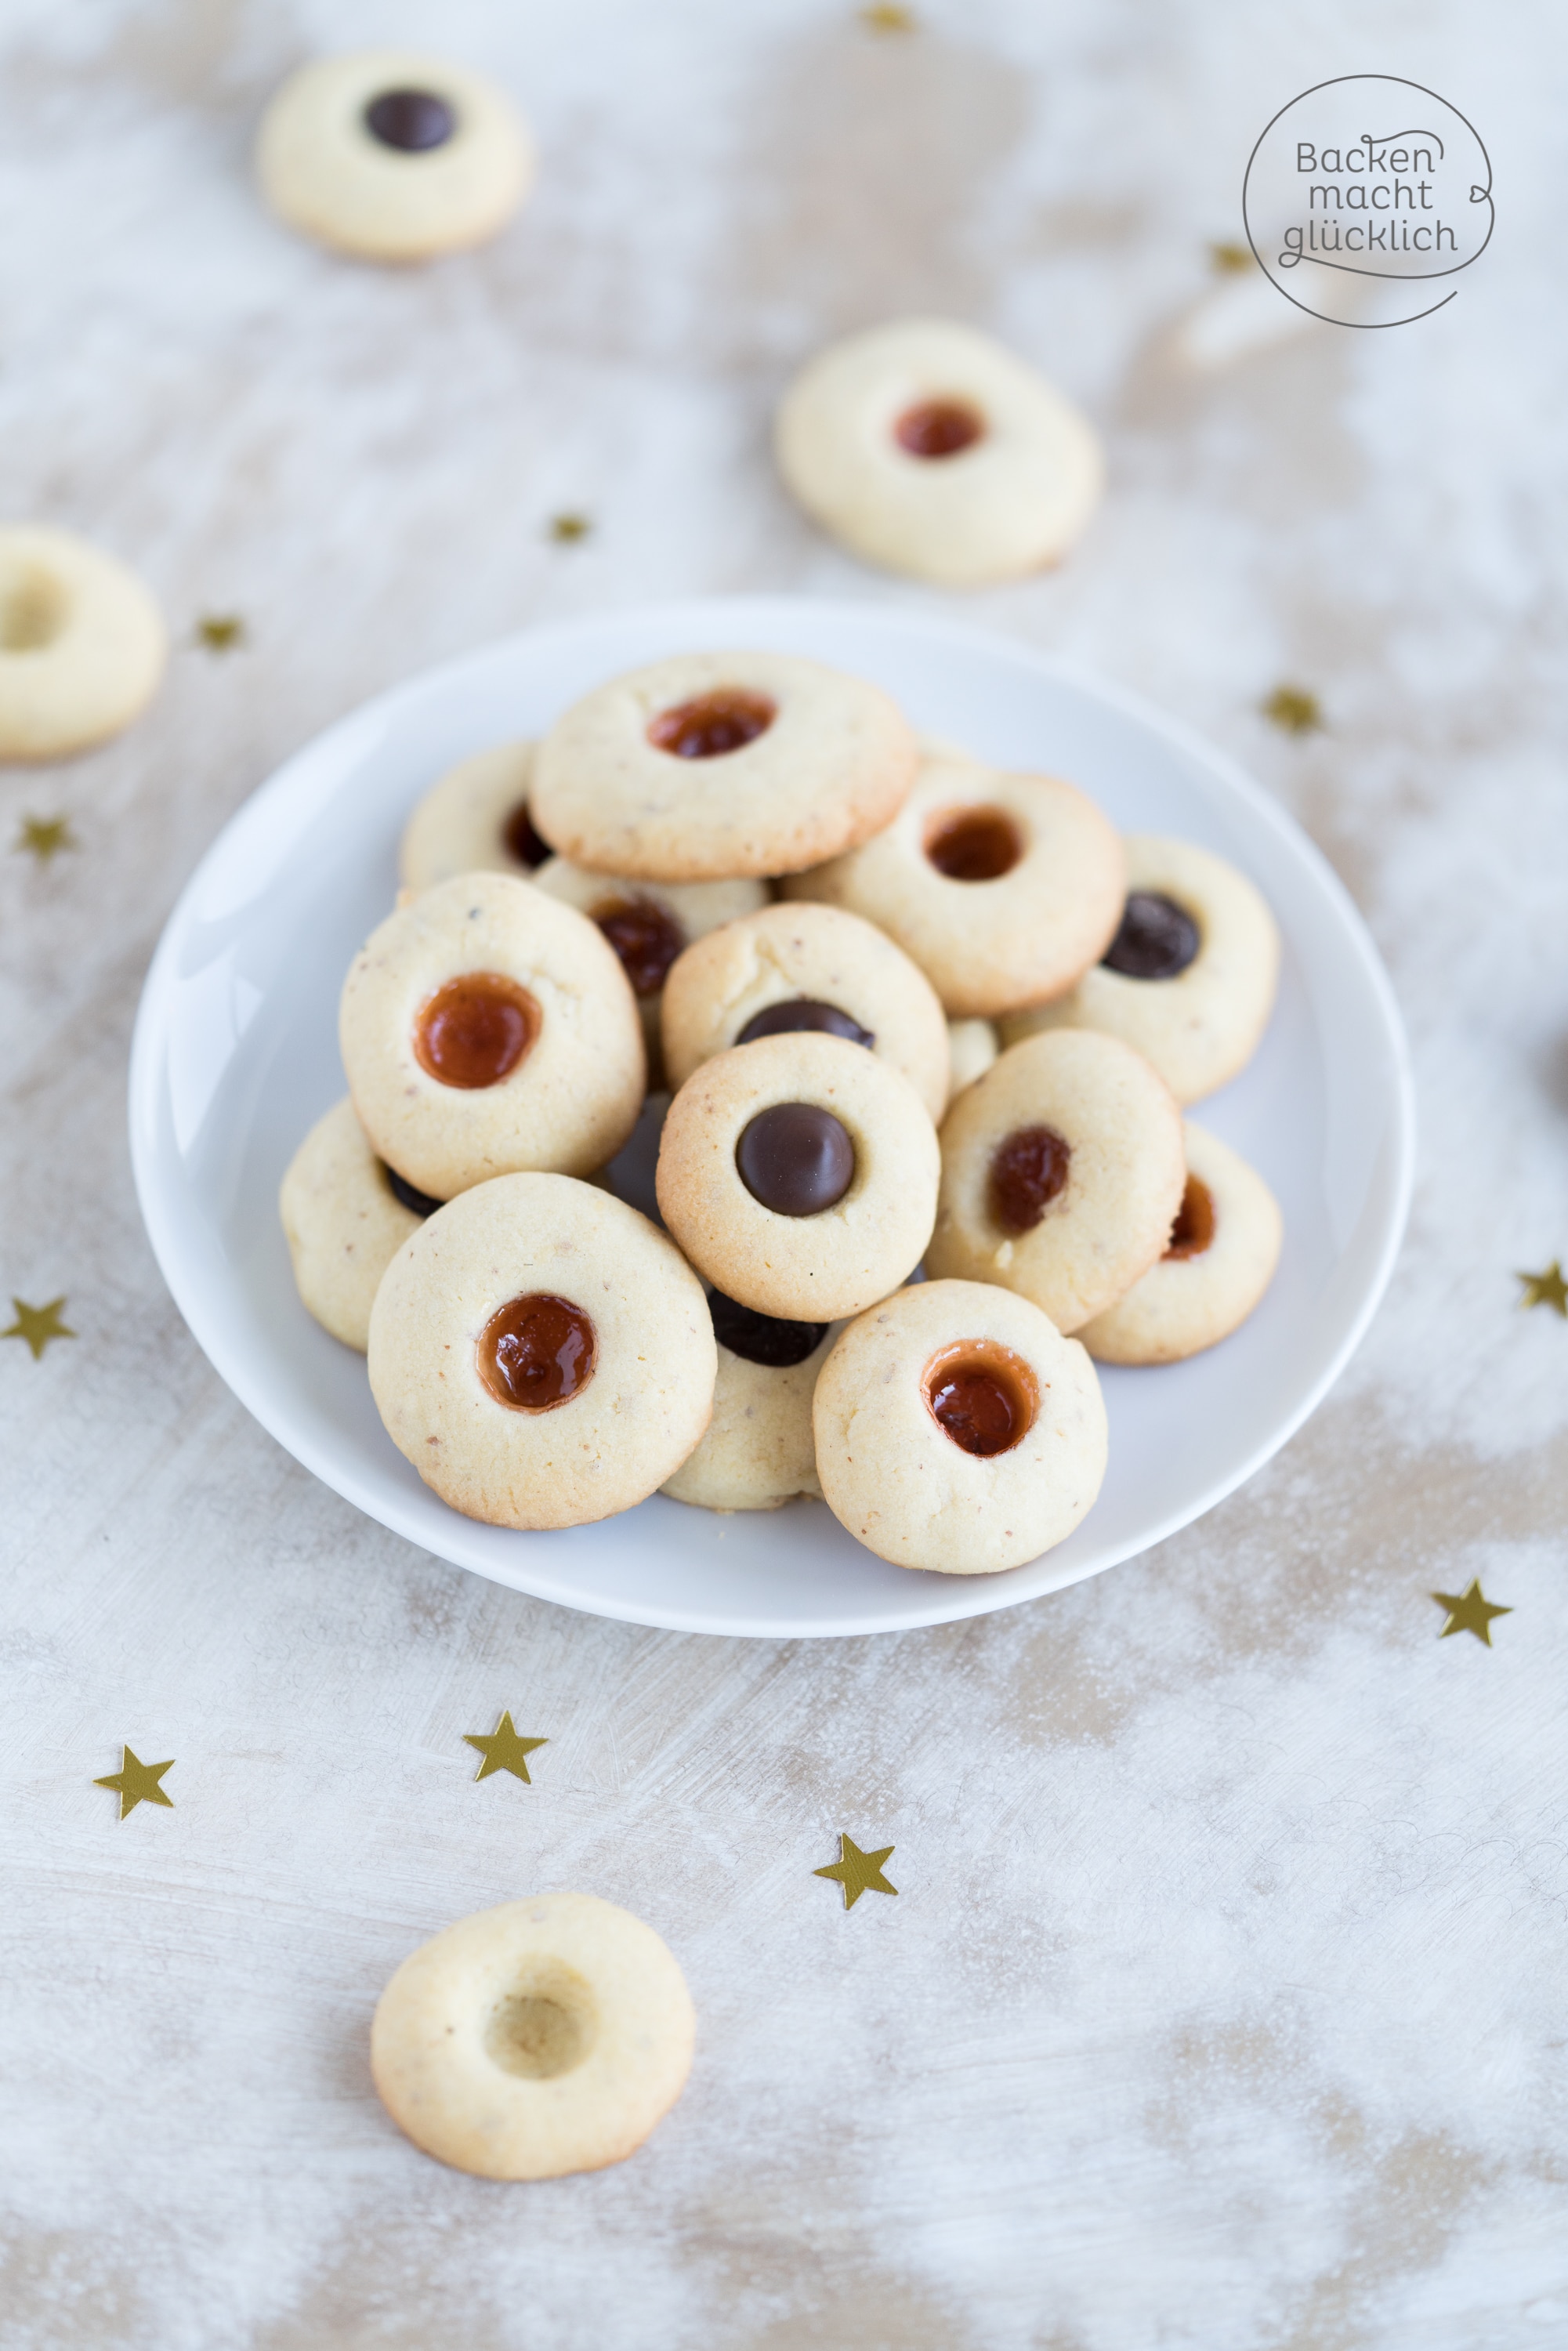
(1221, 2003)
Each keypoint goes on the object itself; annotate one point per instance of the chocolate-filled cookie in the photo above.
(345, 1217)
(757, 1452)
(474, 820)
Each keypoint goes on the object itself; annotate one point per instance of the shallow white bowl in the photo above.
(236, 1054)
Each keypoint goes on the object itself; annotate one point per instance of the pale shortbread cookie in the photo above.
(785, 762)
(810, 1263)
(393, 155)
(972, 1047)
(83, 644)
(1062, 1174)
(817, 955)
(758, 1452)
(650, 1359)
(1043, 903)
(929, 448)
(571, 1100)
(343, 1222)
(1202, 1025)
(1219, 1261)
(474, 820)
(905, 1487)
(543, 2037)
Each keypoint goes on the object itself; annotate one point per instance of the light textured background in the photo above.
(1222, 2002)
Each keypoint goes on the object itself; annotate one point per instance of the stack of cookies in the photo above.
(916, 1017)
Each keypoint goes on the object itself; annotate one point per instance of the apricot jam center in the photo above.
(645, 937)
(727, 719)
(1194, 1228)
(526, 843)
(938, 428)
(981, 1395)
(973, 844)
(536, 1352)
(1029, 1168)
(475, 1030)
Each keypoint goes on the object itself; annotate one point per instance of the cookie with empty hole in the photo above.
(345, 1217)
(83, 644)
(929, 448)
(1003, 888)
(541, 1353)
(757, 1452)
(710, 766)
(1190, 976)
(487, 1028)
(393, 155)
(543, 2037)
(1062, 1174)
(1219, 1259)
(474, 820)
(799, 1174)
(806, 968)
(956, 1428)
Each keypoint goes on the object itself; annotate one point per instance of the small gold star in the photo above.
(886, 17)
(45, 837)
(1547, 1288)
(568, 527)
(503, 1750)
(1229, 260)
(37, 1325)
(137, 1782)
(1469, 1612)
(1294, 710)
(857, 1872)
(221, 632)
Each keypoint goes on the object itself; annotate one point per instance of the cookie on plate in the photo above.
(543, 2037)
(1217, 1263)
(956, 1428)
(486, 1028)
(799, 1174)
(1062, 1174)
(474, 820)
(929, 448)
(1190, 976)
(393, 155)
(345, 1217)
(972, 1047)
(710, 766)
(1003, 888)
(541, 1353)
(758, 1451)
(805, 967)
(83, 644)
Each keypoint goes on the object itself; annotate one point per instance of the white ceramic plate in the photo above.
(236, 1054)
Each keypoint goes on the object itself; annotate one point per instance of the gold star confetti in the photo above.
(885, 17)
(1469, 1612)
(221, 632)
(45, 837)
(1547, 1288)
(569, 528)
(1294, 710)
(137, 1782)
(37, 1325)
(1229, 260)
(503, 1750)
(858, 1873)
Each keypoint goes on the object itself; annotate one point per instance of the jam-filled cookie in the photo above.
(1003, 888)
(804, 966)
(758, 1451)
(541, 1353)
(1062, 1174)
(83, 644)
(393, 155)
(1189, 976)
(799, 1174)
(486, 1028)
(709, 765)
(1218, 1261)
(929, 448)
(474, 820)
(543, 2037)
(972, 1047)
(956, 1428)
(345, 1217)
